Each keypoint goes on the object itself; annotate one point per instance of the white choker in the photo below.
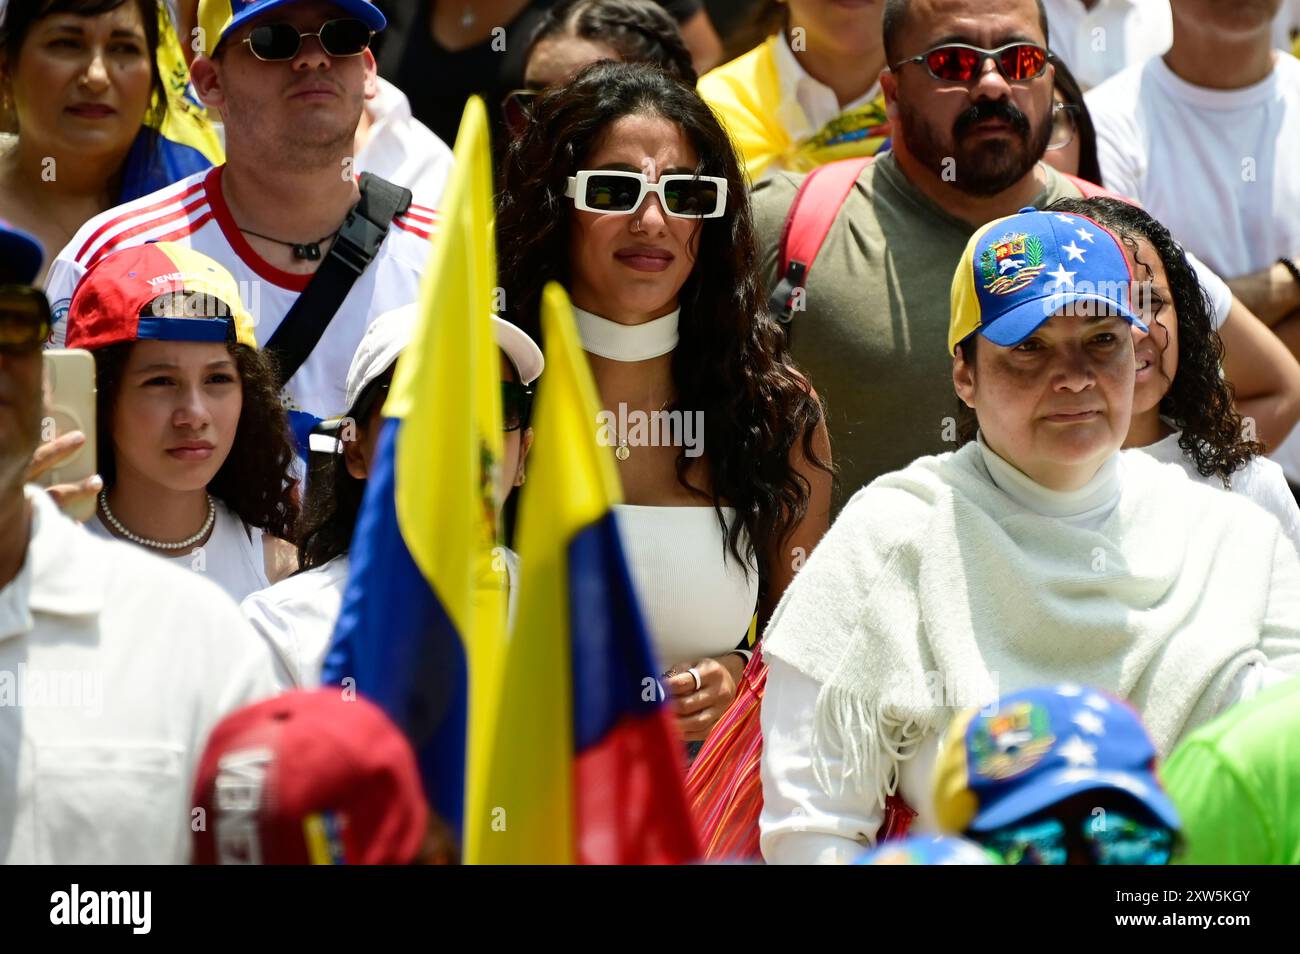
(618, 342)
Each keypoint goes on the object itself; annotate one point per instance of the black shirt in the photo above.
(438, 81)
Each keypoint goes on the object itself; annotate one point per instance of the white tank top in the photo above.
(694, 603)
(232, 558)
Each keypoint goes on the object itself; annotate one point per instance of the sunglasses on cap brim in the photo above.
(963, 63)
(277, 42)
(25, 319)
(1118, 839)
(621, 193)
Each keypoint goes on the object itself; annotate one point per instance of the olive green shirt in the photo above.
(873, 334)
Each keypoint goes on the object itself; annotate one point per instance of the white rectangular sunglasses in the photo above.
(621, 193)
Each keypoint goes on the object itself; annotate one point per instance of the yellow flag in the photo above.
(447, 393)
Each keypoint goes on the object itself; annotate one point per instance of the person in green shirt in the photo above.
(871, 321)
(1236, 783)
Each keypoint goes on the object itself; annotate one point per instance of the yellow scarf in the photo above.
(746, 94)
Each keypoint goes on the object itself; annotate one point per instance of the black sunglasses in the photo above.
(25, 319)
(517, 109)
(276, 42)
(963, 63)
(516, 405)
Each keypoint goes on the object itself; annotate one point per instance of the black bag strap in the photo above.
(354, 248)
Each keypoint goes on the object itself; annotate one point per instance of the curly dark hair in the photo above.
(640, 31)
(730, 363)
(255, 481)
(1199, 401)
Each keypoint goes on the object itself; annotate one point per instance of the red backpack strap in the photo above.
(1090, 189)
(806, 226)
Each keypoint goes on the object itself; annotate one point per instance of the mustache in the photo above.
(992, 109)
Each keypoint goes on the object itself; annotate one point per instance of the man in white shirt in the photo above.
(395, 145)
(1098, 38)
(114, 665)
(1207, 139)
(271, 214)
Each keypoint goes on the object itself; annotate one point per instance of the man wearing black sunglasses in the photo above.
(285, 214)
(969, 98)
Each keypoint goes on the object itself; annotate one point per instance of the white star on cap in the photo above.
(1073, 251)
(1094, 701)
(1062, 217)
(1062, 276)
(1088, 721)
(1078, 752)
(1069, 690)
(1084, 234)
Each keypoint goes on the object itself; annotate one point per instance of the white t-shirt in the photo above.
(115, 668)
(1098, 43)
(234, 556)
(1220, 168)
(193, 212)
(1261, 480)
(402, 149)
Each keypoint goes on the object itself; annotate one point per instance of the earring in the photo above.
(523, 477)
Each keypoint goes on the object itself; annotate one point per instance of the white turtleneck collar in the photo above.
(619, 342)
(1088, 506)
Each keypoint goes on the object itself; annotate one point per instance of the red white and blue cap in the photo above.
(218, 17)
(1019, 271)
(1039, 747)
(21, 253)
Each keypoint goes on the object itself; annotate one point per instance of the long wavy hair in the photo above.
(1198, 400)
(640, 31)
(255, 481)
(730, 362)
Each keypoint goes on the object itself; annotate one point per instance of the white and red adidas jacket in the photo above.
(193, 212)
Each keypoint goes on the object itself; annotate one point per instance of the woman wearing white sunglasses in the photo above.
(626, 189)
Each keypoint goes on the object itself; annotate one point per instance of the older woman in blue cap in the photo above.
(1036, 555)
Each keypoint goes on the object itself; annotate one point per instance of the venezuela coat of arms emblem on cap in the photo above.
(1012, 741)
(1011, 263)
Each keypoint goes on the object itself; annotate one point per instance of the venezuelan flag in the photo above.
(424, 611)
(584, 764)
(178, 141)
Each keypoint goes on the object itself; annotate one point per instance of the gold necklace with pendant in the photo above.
(623, 451)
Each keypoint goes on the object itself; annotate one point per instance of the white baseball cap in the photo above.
(391, 332)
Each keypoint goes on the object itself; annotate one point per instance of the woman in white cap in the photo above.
(1037, 554)
(297, 615)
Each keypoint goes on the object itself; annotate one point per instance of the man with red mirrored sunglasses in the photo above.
(969, 98)
(290, 79)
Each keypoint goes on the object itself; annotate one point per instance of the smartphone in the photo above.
(69, 377)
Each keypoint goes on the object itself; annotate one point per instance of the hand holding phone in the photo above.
(65, 462)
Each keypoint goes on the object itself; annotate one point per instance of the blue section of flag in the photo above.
(395, 638)
(611, 648)
(155, 162)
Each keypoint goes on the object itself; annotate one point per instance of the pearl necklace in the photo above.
(158, 544)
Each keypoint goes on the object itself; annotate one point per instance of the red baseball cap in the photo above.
(309, 777)
(109, 300)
